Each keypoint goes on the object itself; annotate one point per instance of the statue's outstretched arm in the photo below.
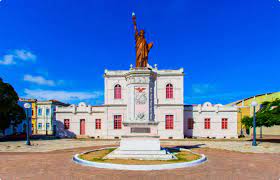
(135, 27)
(134, 23)
(136, 30)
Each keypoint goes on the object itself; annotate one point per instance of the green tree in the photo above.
(10, 112)
(268, 115)
(247, 122)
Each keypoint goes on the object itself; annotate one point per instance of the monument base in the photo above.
(141, 148)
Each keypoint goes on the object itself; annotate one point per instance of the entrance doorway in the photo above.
(82, 127)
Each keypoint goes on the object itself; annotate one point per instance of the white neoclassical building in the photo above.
(213, 121)
(165, 95)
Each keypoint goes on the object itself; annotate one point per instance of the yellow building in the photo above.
(34, 114)
(34, 117)
(245, 109)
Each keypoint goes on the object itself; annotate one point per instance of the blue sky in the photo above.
(59, 49)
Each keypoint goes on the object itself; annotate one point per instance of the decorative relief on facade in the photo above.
(141, 116)
(141, 103)
(151, 102)
(136, 80)
(141, 97)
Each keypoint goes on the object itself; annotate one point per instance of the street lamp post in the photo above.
(27, 106)
(241, 130)
(254, 104)
(46, 119)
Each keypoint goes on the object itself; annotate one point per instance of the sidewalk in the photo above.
(59, 144)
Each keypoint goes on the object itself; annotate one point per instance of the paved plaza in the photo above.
(52, 159)
(60, 144)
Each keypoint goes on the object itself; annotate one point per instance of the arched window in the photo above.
(118, 92)
(169, 91)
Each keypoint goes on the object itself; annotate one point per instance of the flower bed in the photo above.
(98, 155)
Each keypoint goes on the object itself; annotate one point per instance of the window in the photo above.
(118, 92)
(117, 121)
(224, 123)
(207, 123)
(39, 112)
(169, 91)
(47, 112)
(32, 112)
(190, 123)
(66, 123)
(39, 125)
(47, 125)
(98, 124)
(169, 122)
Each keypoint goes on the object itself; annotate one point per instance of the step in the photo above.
(141, 152)
(141, 156)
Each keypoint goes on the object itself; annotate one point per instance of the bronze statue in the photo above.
(141, 46)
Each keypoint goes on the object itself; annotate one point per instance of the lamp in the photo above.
(27, 106)
(254, 104)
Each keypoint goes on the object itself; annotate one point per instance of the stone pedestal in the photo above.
(140, 143)
(141, 140)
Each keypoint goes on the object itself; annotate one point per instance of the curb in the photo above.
(80, 161)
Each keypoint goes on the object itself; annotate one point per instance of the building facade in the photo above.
(245, 109)
(34, 116)
(169, 111)
(41, 116)
(45, 121)
(211, 121)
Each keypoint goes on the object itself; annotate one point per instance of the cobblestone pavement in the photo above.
(58, 144)
(221, 164)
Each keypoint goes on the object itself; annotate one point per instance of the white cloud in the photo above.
(24, 55)
(203, 88)
(8, 59)
(38, 80)
(18, 55)
(61, 95)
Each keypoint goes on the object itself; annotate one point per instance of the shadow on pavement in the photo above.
(267, 140)
(190, 146)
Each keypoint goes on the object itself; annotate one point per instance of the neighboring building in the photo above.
(33, 113)
(34, 116)
(169, 111)
(22, 127)
(46, 116)
(213, 121)
(41, 116)
(245, 109)
(81, 120)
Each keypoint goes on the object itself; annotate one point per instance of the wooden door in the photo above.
(82, 127)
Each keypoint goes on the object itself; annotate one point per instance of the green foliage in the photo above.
(268, 115)
(8, 96)
(10, 112)
(247, 122)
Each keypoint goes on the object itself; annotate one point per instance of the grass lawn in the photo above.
(97, 156)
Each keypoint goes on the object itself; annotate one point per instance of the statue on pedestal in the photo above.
(141, 45)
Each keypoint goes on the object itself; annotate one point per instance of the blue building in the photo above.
(22, 127)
